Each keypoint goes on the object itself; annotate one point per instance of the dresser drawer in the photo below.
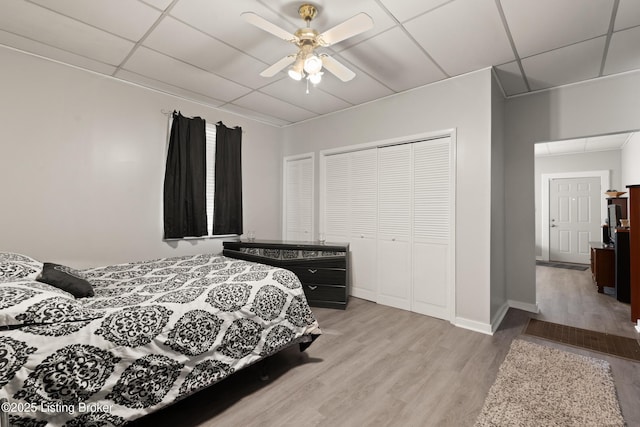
(333, 293)
(316, 275)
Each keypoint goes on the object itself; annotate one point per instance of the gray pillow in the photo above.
(67, 279)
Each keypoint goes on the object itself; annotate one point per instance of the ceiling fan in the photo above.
(306, 62)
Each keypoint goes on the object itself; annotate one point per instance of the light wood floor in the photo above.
(379, 366)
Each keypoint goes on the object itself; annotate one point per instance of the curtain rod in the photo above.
(169, 113)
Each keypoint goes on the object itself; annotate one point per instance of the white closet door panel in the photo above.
(337, 197)
(394, 192)
(431, 180)
(430, 279)
(364, 193)
(364, 275)
(394, 274)
(298, 199)
(305, 192)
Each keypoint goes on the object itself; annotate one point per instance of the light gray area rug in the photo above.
(543, 386)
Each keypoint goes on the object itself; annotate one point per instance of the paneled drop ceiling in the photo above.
(203, 50)
(583, 145)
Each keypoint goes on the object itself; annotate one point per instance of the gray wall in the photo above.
(631, 162)
(596, 107)
(82, 160)
(463, 103)
(593, 161)
(498, 283)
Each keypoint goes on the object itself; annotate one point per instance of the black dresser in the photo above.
(323, 269)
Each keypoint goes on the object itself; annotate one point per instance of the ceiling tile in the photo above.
(607, 142)
(126, 18)
(228, 27)
(511, 78)
(166, 88)
(541, 149)
(395, 60)
(266, 104)
(160, 67)
(42, 25)
(332, 13)
(158, 4)
(463, 36)
(294, 92)
(568, 146)
(41, 49)
(407, 9)
(203, 51)
(628, 14)
(245, 112)
(569, 64)
(623, 54)
(362, 88)
(541, 25)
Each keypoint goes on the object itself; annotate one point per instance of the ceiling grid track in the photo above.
(406, 33)
(144, 37)
(513, 44)
(607, 42)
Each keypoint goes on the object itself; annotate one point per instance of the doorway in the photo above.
(574, 211)
(564, 240)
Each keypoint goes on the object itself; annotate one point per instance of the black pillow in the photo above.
(65, 278)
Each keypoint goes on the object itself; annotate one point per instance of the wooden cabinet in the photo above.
(323, 269)
(603, 265)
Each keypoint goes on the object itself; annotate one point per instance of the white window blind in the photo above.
(210, 132)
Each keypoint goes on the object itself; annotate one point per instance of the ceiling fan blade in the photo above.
(267, 26)
(278, 66)
(336, 68)
(349, 28)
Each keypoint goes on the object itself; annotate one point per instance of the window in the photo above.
(210, 133)
(197, 153)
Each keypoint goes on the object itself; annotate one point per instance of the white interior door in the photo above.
(574, 218)
(364, 223)
(394, 226)
(298, 198)
(431, 227)
(337, 204)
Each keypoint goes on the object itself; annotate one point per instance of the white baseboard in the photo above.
(532, 308)
(497, 319)
(489, 329)
(473, 325)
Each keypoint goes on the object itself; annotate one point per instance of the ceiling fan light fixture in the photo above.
(295, 72)
(312, 64)
(315, 78)
(295, 75)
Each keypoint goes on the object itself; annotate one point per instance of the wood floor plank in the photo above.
(380, 366)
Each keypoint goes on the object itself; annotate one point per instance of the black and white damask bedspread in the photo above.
(154, 332)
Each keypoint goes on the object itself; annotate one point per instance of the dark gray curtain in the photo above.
(227, 214)
(185, 210)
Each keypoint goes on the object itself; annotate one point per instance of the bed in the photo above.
(153, 333)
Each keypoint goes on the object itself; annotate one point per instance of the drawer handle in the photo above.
(312, 287)
(312, 270)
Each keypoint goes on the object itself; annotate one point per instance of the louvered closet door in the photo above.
(394, 226)
(364, 221)
(338, 198)
(431, 219)
(298, 223)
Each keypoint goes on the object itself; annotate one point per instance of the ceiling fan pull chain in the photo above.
(307, 86)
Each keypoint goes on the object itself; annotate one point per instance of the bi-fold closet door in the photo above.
(297, 223)
(393, 205)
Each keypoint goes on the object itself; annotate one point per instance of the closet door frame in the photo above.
(287, 159)
(451, 133)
